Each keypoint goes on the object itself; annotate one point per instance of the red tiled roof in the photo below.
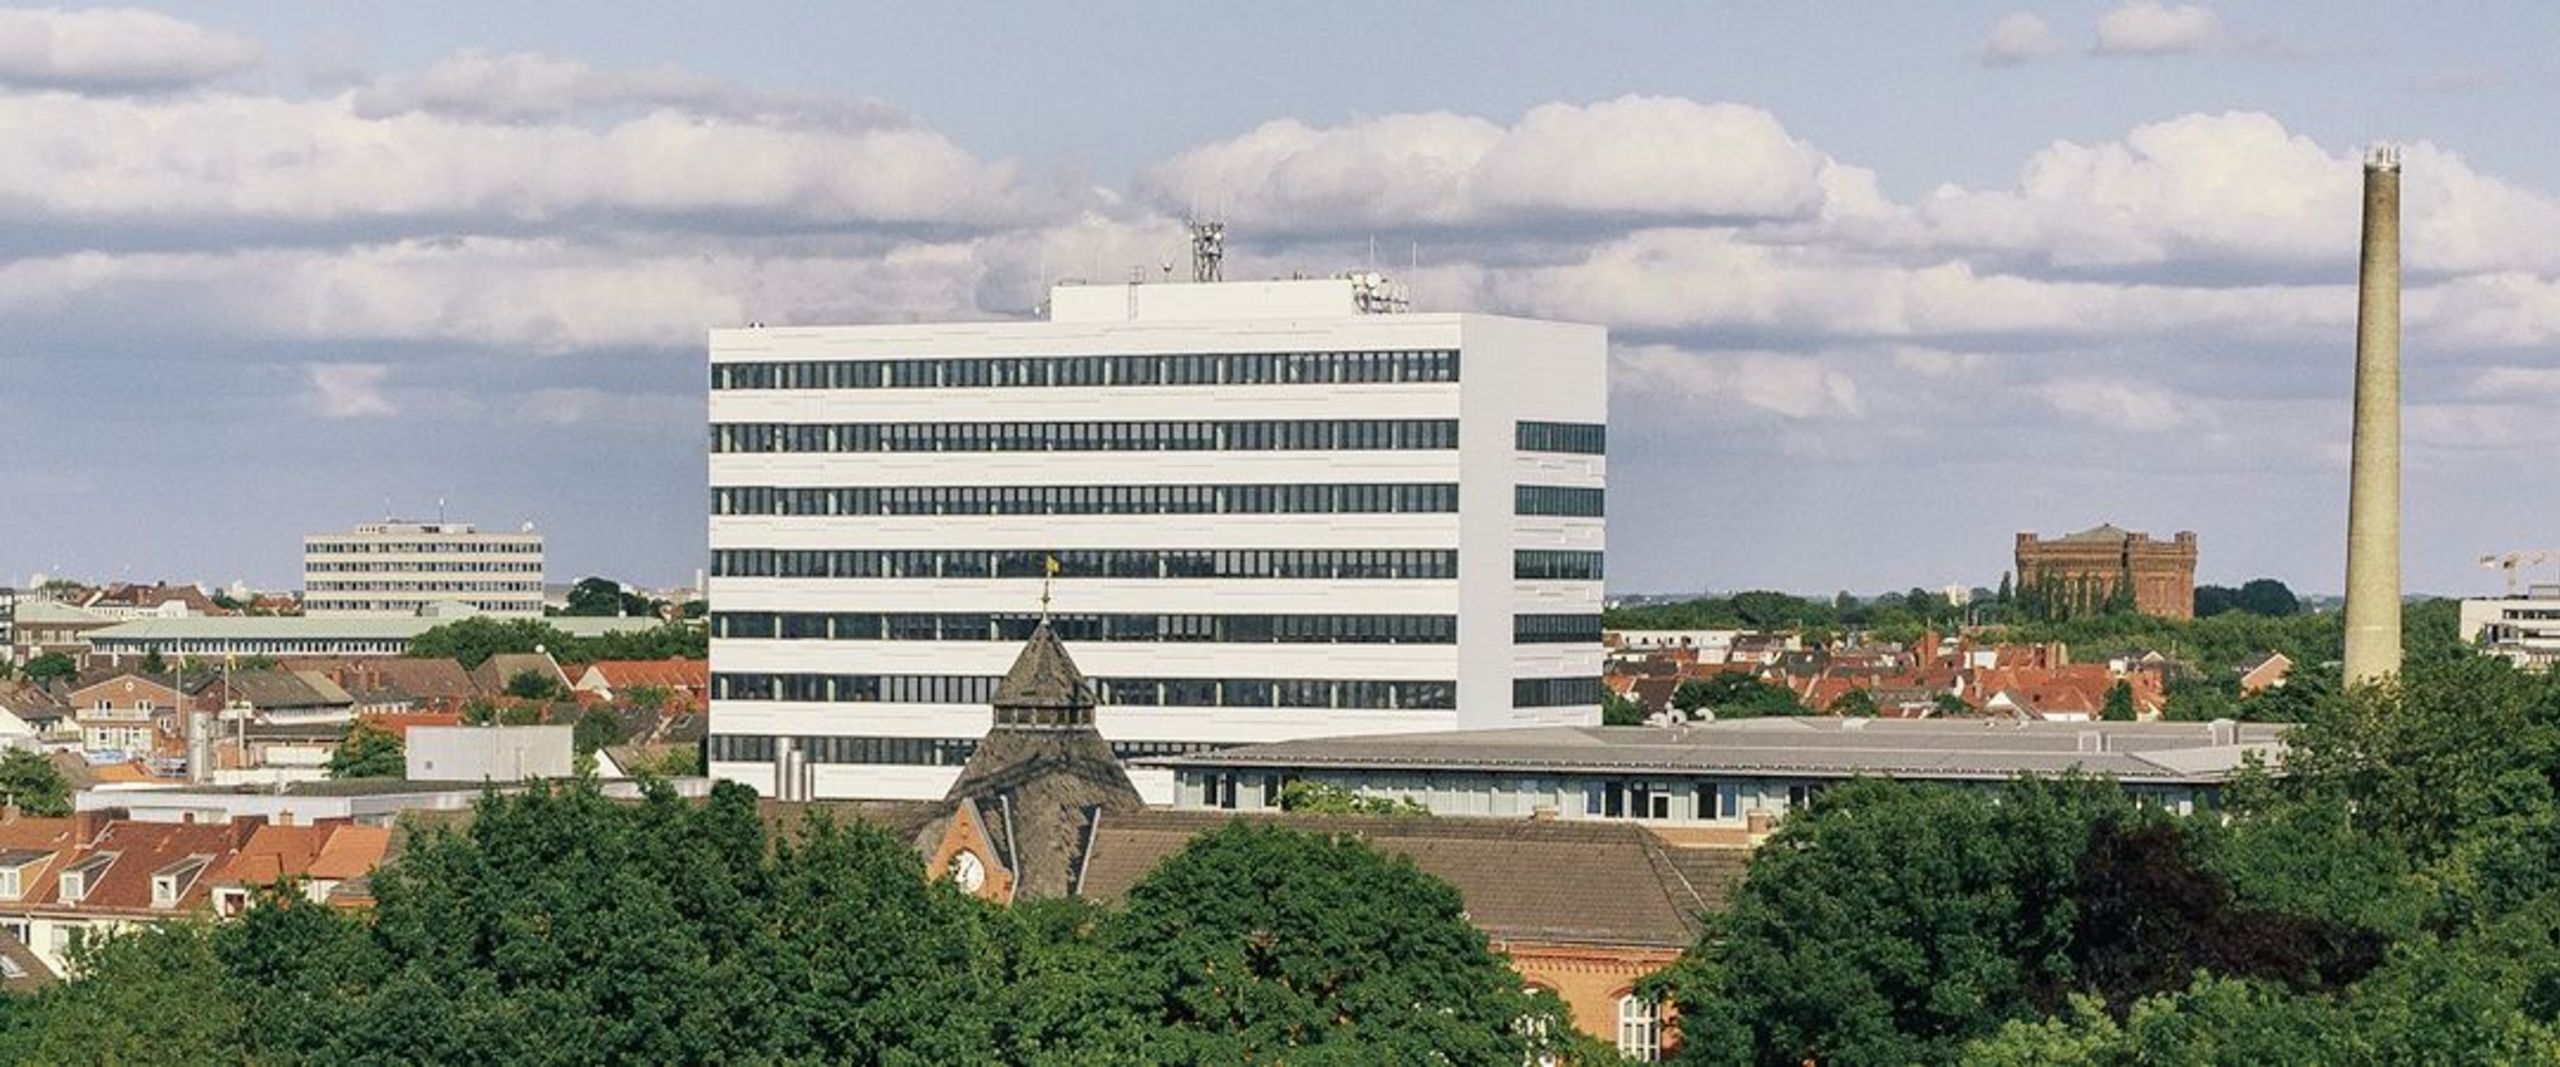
(672, 673)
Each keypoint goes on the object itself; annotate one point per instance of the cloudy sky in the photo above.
(1885, 283)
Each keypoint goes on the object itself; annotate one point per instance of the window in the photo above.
(1555, 629)
(1639, 1029)
(1719, 800)
(1556, 500)
(10, 887)
(1531, 564)
(1171, 436)
(1555, 692)
(1580, 438)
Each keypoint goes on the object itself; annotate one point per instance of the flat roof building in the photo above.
(1723, 773)
(2524, 629)
(285, 635)
(401, 567)
(1256, 511)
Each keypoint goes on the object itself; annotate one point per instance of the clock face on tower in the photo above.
(968, 872)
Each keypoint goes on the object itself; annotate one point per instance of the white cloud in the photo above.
(115, 50)
(2020, 38)
(236, 159)
(2150, 28)
(526, 87)
(2509, 382)
(1795, 386)
(348, 390)
(2115, 404)
(1635, 157)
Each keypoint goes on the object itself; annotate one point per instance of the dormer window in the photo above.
(169, 884)
(76, 881)
(15, 865)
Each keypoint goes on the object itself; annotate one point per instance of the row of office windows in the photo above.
(979, 690)
(474, 566)
(1546, 564)
(1555, 692)
(1555, 629)
(421, 548)
(1556, 500)
(1184, 435)
(1325, 563)
(1268, 499)
(1194, 368)
(980, 626)
(912, 751)
(419, 586)
(1580, 438)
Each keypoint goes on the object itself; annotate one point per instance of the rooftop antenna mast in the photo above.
(1208, 250)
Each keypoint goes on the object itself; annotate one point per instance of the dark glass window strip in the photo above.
(1555, 629)
(965, 626)
(913, 751)
(1580, 438)
(1541, 564)
(1194, 435)
(1276, 499)
(1556, 500)
(1554, 692)
(1301, 563)
(1356, 694)
(1190, 368)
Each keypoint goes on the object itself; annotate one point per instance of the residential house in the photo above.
(687, 682)
(495, 673)
(126, 602)
(2266, 672)
(132, 713)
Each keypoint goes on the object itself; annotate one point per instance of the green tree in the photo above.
(50, 666)
(534, 684)
(1324, 798)
(1735, 695)
(1951, 706)
(1857, 702)
(2267, 598)
(472, 641)
(152, 663)
(33, 783)
(604, 597)
(368, 751)
(156, 996)
(597, 728)
(1259, 942)
(2119, 703)
(1620, 710)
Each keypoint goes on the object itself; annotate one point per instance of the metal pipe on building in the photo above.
(2373, 491)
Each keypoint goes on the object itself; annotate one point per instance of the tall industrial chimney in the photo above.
(2373, 490)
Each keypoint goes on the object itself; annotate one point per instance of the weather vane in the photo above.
(1048, 575)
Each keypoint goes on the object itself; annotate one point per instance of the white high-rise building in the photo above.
(1275, 510)
(401, 567)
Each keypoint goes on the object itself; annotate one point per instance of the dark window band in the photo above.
(1192, 368)
(1278, 499)
(1539, 564)
(911, 751)
(1579, 438)
(1555, 629)
(1194, 435)
(1556, 500)
(1358, 694)
(967, 626)
(1554, 692)
(1294, 563)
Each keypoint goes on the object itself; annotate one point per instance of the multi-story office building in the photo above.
(2525, 629)
(1272, 509)
(404, 568)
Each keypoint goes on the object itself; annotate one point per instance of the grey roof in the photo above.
(1943, 749)
(323, 628)
(287, 689)
(1506, 870)
(2102, 533)
(1044, 679)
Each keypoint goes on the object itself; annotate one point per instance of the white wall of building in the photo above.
(400, 568)
(1509, 370)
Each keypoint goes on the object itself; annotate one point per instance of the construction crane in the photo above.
(2511, 562)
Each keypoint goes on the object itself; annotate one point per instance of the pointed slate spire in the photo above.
(1044, 688)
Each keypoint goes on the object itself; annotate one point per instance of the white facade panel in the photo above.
(1298, 656)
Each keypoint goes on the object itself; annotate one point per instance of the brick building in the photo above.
(2079, 572)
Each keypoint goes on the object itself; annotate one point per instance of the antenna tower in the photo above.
(1208, 250)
